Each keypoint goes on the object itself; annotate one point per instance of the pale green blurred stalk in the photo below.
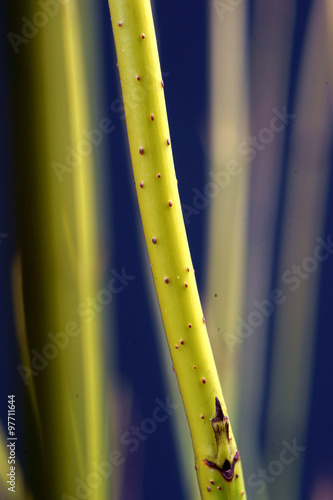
(58, 232)
(303, 222)
(224, 300)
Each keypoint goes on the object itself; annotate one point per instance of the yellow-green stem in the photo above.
(156, 184)
(65, 414)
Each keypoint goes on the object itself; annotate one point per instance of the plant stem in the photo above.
(65, 414)
(216, 460)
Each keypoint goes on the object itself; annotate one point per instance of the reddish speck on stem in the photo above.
(162, 83)
(141, 151)
(186, 284)
(219, 487)
(152, 117)
(170, 203)
(120, 23)
(159, 176)
(203, 380)
(190, 325)
(203, 320)
(143, 35)
(202, 416)
(141, 185)
(182, 342)
(188, 269)
(176, 346)
(211, 481)
(194, 367)
(154, 240)
(168, 142)
(208, 488)
(166, 280)
(138, 77)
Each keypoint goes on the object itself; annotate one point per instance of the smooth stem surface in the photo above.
(63, 364)
(148, 132)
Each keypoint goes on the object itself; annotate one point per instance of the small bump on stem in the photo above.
(154, 240)
(190, 325)
(202, 416)
(162, 83)
(194, 367)
(170, 203)
(203, 380)
(143, 35)
(158, 175)
(211, 481)
(138, 77)
(176, 346)
(219, 488)
(168, 142)
(120, 24)
(152, 117)
(182, 342)
(166, 281)
(208, 488)
(141, 185)
(141, 151)
(186, 284)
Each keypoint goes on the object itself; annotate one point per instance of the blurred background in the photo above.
(248, 89)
